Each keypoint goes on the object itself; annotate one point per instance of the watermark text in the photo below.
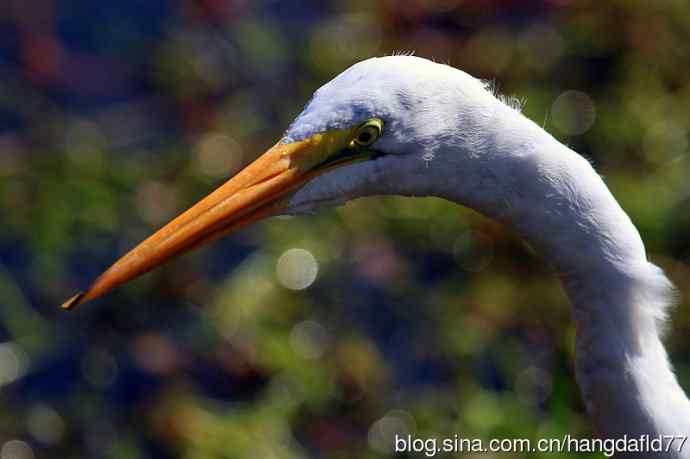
(431, 447)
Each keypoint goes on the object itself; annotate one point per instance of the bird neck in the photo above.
(555, 199)
(622, 367)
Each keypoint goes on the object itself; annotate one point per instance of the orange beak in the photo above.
(259, 191)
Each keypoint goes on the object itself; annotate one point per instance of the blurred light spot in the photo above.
(309, 339)
(664, 141)
(16, 449)
(129, 124)
(241, 114)
(474, 334)
(297, 269)
(218, 155)
(573, 112)
(542, 46)
(262, 43)
(244, 294)
(533, 385)
(348, 38)
(45, 424)
(13, 363)
(99, 368)
(207, 63)
(490, 51)
(382, 433)
(156, 202)
(484, 411)
(471, 255)
(155, 353)
(377, 260)
(84, 142)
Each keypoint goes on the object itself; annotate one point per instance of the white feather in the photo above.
(448, 135)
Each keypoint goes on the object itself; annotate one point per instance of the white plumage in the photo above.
(488, 156)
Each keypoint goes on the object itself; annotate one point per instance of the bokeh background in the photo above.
(314, 337)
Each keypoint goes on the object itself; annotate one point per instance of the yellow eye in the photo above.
(367, 133)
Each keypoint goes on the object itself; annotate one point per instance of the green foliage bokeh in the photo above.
(423, 318)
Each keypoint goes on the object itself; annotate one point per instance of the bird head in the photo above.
(371, 130)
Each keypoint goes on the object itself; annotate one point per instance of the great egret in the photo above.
(408, 126)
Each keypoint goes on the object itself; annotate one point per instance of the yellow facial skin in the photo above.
(259, 191)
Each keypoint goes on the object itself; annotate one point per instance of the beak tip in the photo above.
(73, 301)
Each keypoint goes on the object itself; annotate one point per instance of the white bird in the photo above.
(404, 125)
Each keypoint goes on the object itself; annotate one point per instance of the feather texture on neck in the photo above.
(556, 200)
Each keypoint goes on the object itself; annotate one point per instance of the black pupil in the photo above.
(364, 137)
